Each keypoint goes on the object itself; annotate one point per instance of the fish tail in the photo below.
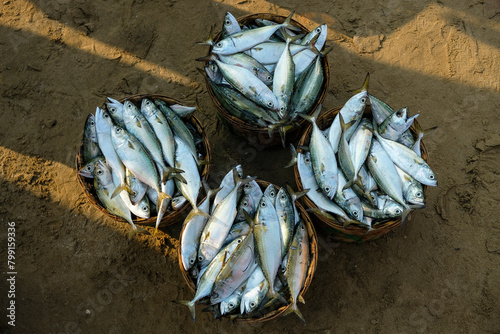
(365, 86)
(208, 191)
(210, 40)
(312, 118)
(321, 212)
(206, 59)
(174, 173)
(189, 304)
(136, 229)
(199, 212)
(293, 161)
(288, 23)
(239, 181)
(296, 195)
(294, 309)
(120, 188)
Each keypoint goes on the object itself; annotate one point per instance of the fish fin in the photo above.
(120, 188)
(363, 88)
(294, 309)
(293, 161)
(189, 304)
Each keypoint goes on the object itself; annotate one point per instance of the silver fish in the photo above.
(208, 276)
(296, 272)
(323, 158)
(245, 40)
(268, 242)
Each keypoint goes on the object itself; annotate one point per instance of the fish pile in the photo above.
(266, 73)
(144, 160)
(251, 256)
(365, 170)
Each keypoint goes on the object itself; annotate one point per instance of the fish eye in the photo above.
(355, 212)
(263, 204)
(252, 304)
(269, 77)
(247, 186)
(363, 100)
(219, 45)
(191, 261)
(144, 208)
(398, 211)
(282, 108)
(419, 194)
(99, 172)
(228, 22)
(318, 30)
(231, 305)
(308, 160)
(270, 104)
(239, 241)
(92, 123)
(431, 177)
(245, 203)
(89, 167)
(327, 189)
(302, 227)
(200, 258)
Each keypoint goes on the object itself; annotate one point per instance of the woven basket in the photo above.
(253, 134)
(313, 248)
(170, 217)
(351, 233)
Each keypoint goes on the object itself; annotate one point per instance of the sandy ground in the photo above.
(76, 271)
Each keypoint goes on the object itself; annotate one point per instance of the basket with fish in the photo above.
(262, 71)
(142, 160)
(257, 237)
(366, 167)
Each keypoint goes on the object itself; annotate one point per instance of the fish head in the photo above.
(90, 130)
(393, 209)
(231, 25)
(265, 76)
(103, 121)
(223, 47)
(87, 170)
(271, 192)
(114, 109)
(322, 30)
(118, 135)
(189, 257)
(415, 195)
(144, 210)
(102, 173)
(250, 301)
(359, 102)
(213, 73)
(271, 102)
(206, 254)
(130, 111)
(355, 209)
(228, 305)
(148, 108)
(427, 175)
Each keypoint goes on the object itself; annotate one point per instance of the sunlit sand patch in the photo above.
(42, 26)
